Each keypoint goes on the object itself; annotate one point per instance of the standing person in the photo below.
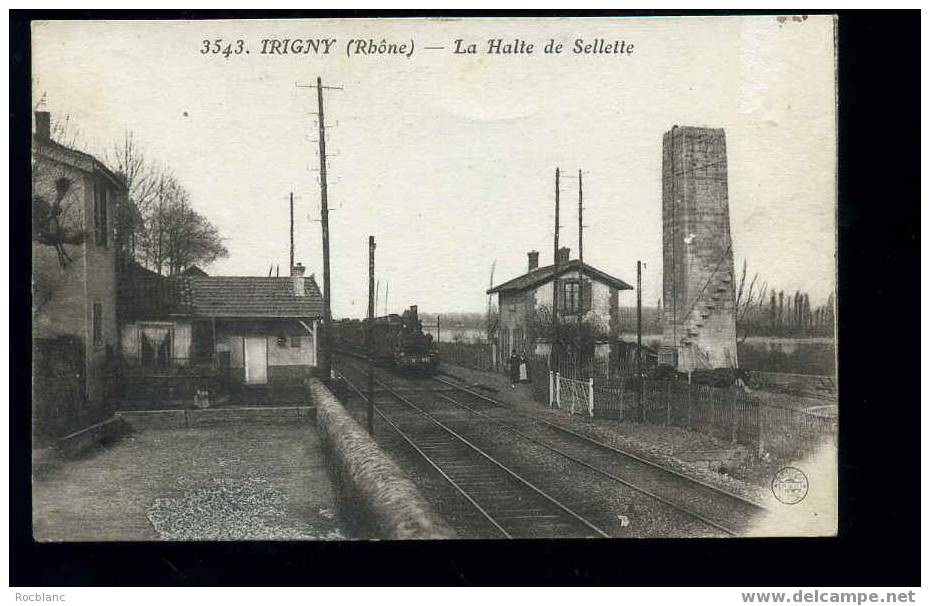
(514, 368)
(524, 369)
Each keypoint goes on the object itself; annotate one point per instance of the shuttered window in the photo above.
(101, 219)
(574, 296)
(571, 297)
(98, 325)
(585, 296)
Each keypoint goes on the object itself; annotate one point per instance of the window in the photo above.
(155, 345)
(296, 342)
(100, 215)
(571, 295)
(98, 324)
(575, 296)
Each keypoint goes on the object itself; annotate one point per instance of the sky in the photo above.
(449, 160)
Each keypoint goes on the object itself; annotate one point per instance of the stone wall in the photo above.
(380, 499)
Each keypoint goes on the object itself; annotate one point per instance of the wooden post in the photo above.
(580, 254)
(558, 390)
(213, 325)
(761, 450)
(590, 388)
(327, 364)
(291, 268)
(733, 420)
(555, 281)
(551, 389)
(668, 404)
(689, 398)
(639, 339)
(371, 321)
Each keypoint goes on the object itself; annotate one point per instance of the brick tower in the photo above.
(697, 251)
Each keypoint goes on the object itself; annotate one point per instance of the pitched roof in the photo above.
(193, 270)
(542, 275)
(250, 297)
(76, 158)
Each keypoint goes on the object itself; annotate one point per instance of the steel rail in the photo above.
(593, 468)
(487, 457)
(428, 459)
(611, 448)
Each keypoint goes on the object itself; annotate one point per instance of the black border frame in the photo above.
(878, 265)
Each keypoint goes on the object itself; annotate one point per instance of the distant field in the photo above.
(451, 333)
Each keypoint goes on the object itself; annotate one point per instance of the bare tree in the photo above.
(749, 301)
(492, 320)
(142, 180)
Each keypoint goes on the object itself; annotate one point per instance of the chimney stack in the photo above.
(564, 256)
(297, 274)
(533, 257)
(43, 126)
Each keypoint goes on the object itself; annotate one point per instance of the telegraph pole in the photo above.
(555, 282)
(580, 223)
(639, 337)
(580, 253)
(291, 268)
(368, 334)
(326, 360)
(324, 217)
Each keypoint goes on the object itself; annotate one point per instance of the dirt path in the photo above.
(244, 481)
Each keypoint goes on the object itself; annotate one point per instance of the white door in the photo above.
(256, 360)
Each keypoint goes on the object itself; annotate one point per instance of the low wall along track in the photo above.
(525, 477)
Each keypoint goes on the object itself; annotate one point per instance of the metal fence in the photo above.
(733, 414)
(769, 422)
(174, 366)
(477, 356)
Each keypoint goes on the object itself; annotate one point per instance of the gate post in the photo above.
(668, 404)
(551, 389)
(591, 396)
(733, 414)
(689, 400)
(558, 391)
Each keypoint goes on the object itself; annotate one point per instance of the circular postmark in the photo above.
(790, 485)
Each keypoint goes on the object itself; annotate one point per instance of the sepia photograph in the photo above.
(434, 278)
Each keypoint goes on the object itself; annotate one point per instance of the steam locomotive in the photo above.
(397, 341)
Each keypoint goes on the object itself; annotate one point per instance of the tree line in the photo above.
(156, 226)
(162, 230)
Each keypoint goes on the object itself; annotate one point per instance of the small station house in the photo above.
(582, 290)
(223, 334)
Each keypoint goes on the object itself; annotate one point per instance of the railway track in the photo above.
(716, 509)
(508, 503)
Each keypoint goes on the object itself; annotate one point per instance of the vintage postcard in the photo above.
(460, 278)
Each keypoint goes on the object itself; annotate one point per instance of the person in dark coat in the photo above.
(514, 368)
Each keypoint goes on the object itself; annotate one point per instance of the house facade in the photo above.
(583, 293)
(75, 251)
(220, 334)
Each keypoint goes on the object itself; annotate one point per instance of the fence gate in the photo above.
(573, 395)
